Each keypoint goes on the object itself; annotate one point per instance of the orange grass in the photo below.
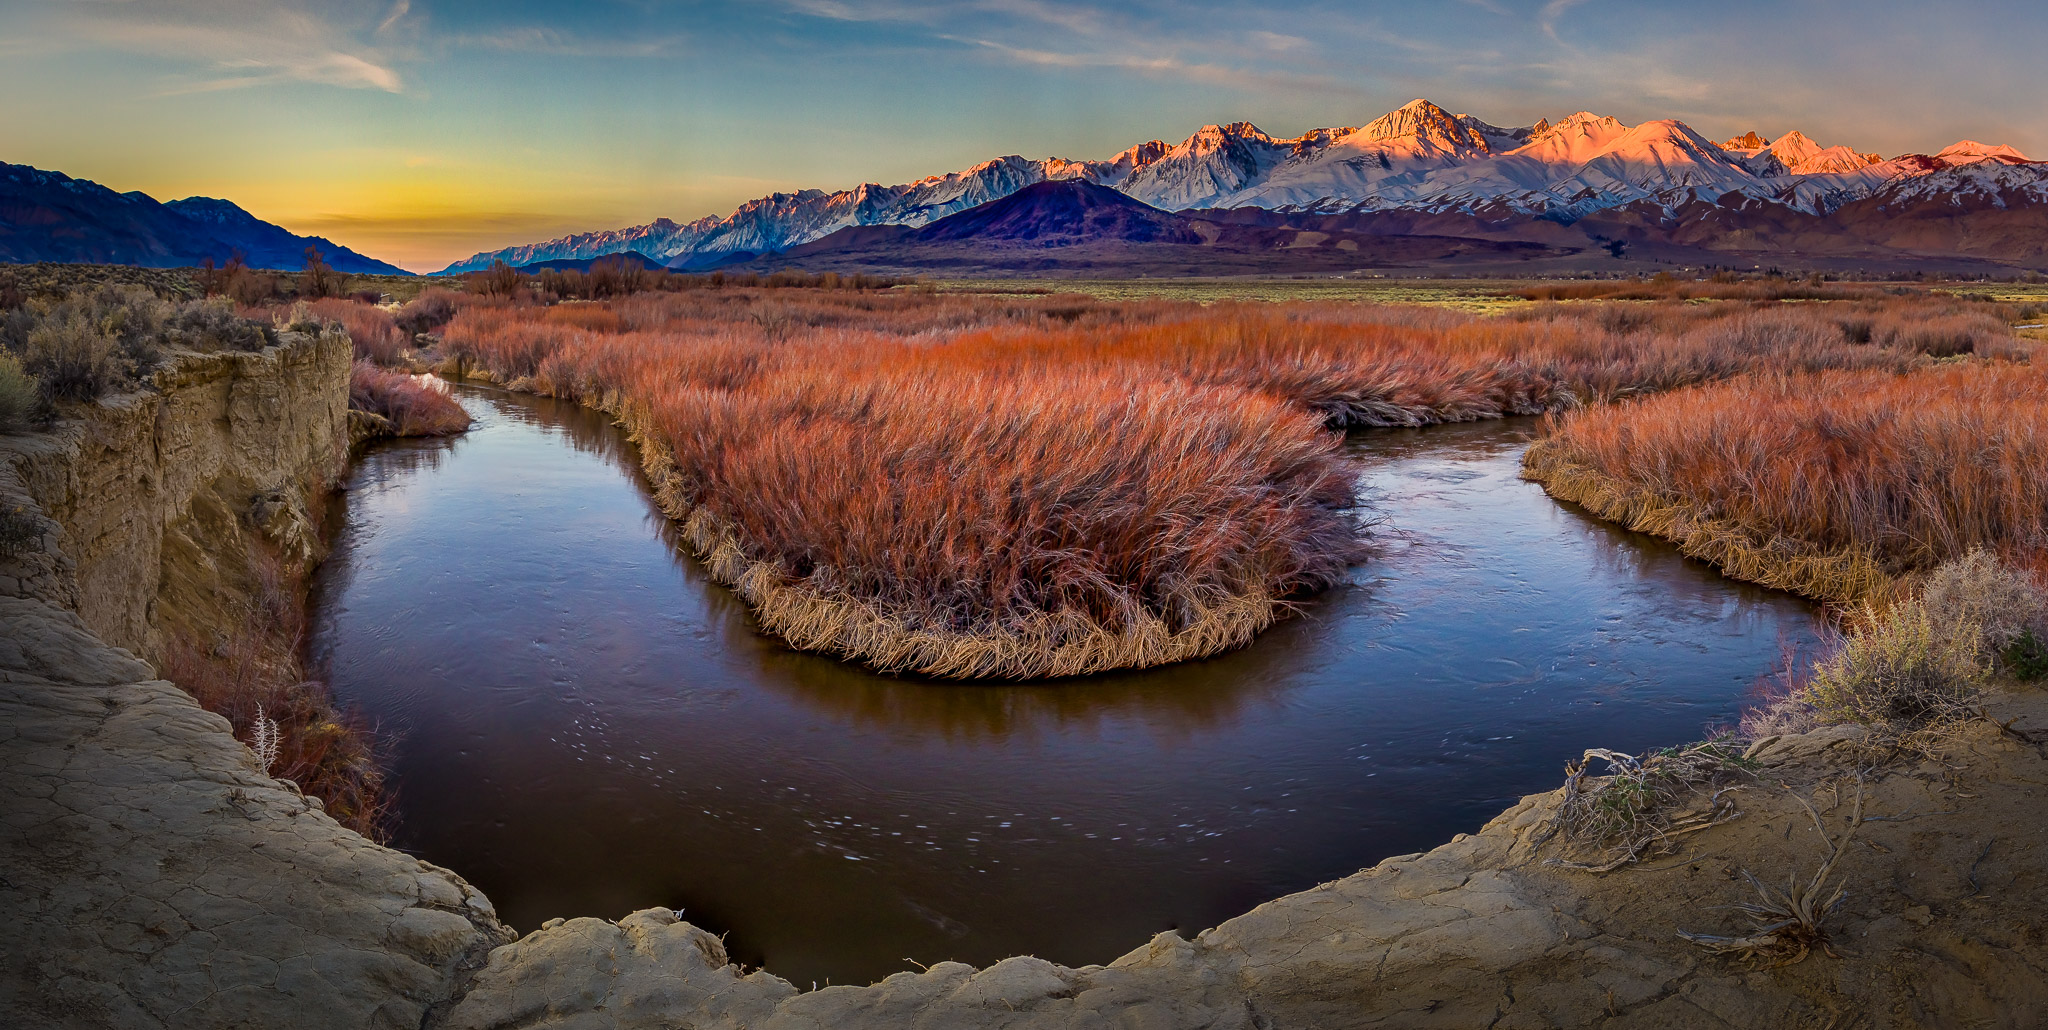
(1835, 484)
(966, 486)
(375, 335)
(414, 406)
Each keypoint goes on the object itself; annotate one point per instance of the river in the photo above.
(582, 723)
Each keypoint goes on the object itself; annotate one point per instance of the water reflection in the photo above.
(590, 726)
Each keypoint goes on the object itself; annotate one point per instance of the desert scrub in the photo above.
(18, 395)
(414, 405)
(1902, 671)
(213, 325)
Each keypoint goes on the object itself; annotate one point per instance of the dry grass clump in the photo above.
(1644, 805)
(1834, 485)
(414, 405)
(980, 486)
(1785, 926)
(253, 678)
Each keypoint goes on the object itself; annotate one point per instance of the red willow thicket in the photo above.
(968, 486)
(1834, 485)
(412, 404)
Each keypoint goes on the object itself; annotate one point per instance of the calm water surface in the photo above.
(584, 724)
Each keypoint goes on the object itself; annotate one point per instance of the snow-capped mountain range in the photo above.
(1420, 158)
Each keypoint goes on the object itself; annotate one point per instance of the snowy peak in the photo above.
(1426, 123)
(1969, 151)
(1793, 148)
(1576, 140)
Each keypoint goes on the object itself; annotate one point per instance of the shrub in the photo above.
(212, 325)
(371, 329)
(72, 360)
(250, 288)
(17, 395)
(317, 280)
(415, 405)
(2002, 602)
(19, 530)
(427, 312)
(1902, 671)
(2026, 658)
(500, 280)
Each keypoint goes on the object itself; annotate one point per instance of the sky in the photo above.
(421, 131)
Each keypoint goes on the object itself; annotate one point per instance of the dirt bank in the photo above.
(154, 877)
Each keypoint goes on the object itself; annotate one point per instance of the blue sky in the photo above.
(422, 131)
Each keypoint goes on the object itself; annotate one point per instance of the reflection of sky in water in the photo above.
(585, 725)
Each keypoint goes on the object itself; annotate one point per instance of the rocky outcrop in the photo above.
(150, 874)
(148, 489)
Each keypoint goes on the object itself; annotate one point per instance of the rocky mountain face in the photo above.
(1420, 159)
(50, 216)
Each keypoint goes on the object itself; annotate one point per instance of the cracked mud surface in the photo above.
(151, 876)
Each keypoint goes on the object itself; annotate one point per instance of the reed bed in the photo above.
(1836, 485)
(1022, 487)
(414, 405)
(375, 335)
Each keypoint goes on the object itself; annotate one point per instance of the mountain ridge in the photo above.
(51, 216)
(1419, 157)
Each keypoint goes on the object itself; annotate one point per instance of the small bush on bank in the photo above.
(2005, 604)
(428, 312)
(1903, 671)
(414, 405)
(18, 401)
(252, 677)
(2026, 658)
(18, 530)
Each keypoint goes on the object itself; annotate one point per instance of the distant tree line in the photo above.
(621, 276)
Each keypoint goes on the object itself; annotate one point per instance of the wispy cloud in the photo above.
(537, 39)
(1552, 11)
(237, 44)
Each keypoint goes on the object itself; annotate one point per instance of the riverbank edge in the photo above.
(856, 630)
(156, 876)
(1845, 576)
(160, 879)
